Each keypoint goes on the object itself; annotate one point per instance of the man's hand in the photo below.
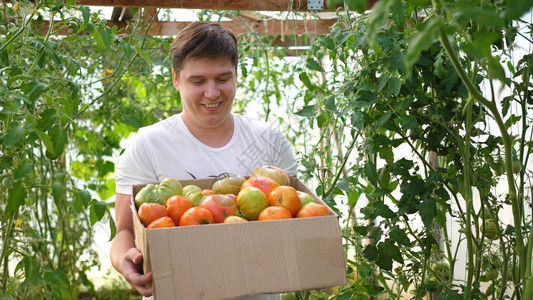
(130, 270)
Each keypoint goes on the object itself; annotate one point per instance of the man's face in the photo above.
(207, 88)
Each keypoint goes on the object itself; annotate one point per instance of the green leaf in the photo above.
(127, 49)
(145, 56)
(330, 103)
(105, 36)
(399, 236)
(46, 119)
(59, 140)
(427, 34)
(378, 17)
(97, 212)
(394, 85)
(112, 226)
(370, 172)
(384, 259)
(86, 14)
(306, 81)
(408, 122)
(314, 65)
(387, 154)
(47, 141)
(383, 210)
(57, 190)
(34, 89)
(13, 135)
(306, 111)
(370, 252)
(83, 198)
(358, 120)
(428, 210)
(22, 170)
(32, 271)
(357, 5)
(353, 196)
(383, 119)
(15, 198)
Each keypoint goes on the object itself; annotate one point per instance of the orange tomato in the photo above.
(207, 192)
(149, 212)
(274, 213)
(285, 196)
(176, 206)
(234, 219)
(313, 209)
(196, 216)
(161, 223)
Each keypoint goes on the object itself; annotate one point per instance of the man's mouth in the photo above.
(212, 106)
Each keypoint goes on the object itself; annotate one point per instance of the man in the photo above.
(204, 140)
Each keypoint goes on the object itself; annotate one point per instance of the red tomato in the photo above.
(251, 202)
(272, 172)
(234, 219)
(265, 184)
(196, 216)
(313, 209)
(274, 213)
(233, 197)
(287, 197)
(176, 207)
(161, 223)
(221, 206)
(149, 212)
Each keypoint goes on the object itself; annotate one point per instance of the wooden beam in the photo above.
(267, 5)
(262, 27)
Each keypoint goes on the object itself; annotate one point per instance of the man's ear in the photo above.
(175, 80)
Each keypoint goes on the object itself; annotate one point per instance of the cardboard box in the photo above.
(221, 261)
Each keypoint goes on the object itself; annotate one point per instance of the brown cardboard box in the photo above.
(220, 261)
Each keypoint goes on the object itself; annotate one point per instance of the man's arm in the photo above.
(124, 256)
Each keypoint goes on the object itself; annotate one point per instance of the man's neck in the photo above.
(215, 137)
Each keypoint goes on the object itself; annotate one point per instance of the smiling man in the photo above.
(205, 140)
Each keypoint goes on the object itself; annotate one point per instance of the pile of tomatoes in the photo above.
(265, 195)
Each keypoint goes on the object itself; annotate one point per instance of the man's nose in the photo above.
(212, 91)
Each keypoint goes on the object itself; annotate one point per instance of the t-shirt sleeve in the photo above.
(134, 166)
(284, 157)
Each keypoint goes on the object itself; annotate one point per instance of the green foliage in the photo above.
(396, 100)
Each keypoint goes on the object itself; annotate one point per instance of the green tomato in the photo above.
(196, 197)
(173, 185)
(3, 29)
(189, 189)
(153, 193)
(251, 202)
(491, 229)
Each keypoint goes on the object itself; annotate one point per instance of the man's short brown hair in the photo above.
(203, 39)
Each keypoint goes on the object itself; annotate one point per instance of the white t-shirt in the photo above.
(168, 149)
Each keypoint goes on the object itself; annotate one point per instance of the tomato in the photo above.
(274, 213)
(196, 198)
(189, 189)
(161, 223)
(149, 212)
(196, 216)
(173, 185)
(233, 197)
(273, 172)
(153, 193)
(221, 206)
(235, 219)
(287, 197)
(251, 202)
(305, 198)
(176, 207)
(208, 192)
(313, 209)
(265, 184)
(491, 229)
(228, 185)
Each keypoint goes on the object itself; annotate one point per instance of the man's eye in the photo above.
(197, 81)
(223, 79)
